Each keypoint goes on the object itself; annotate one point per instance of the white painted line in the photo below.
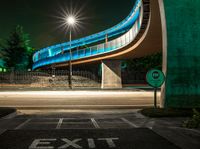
(95, 123)
(150, 124)
(22, 124)
(10, 116)
(130, 123)
(59, 123)
(2, 131)
(139, 115)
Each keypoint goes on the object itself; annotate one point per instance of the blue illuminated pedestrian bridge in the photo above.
(139, 34)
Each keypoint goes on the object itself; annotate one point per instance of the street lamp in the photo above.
(70, 21)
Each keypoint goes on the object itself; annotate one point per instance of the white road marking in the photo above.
(38, 142)
(68, 143)
(46, 143)
(10, 116)
(150, 124)
(2, 131)
(59, 123)
(139, 115)
(95, 123)
(130, 123)
(22, 124)
(91, 143)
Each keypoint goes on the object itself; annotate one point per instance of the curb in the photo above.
(83, 107)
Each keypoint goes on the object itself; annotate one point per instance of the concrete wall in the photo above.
(182, 59)
(111, 74)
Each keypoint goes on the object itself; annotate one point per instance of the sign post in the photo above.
(155, 78)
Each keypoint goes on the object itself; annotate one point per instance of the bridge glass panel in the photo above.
(131, 34)
(127, 38)
(88, 51)
(118, 43)
(81, 53)
(93, 50)
(123, 40)
(112, 45)
(101, 48)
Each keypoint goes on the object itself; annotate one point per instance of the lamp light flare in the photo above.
(71, 20)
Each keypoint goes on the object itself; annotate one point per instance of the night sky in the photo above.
(40, 18)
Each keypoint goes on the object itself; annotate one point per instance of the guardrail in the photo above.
(52, 78)
(60, 78)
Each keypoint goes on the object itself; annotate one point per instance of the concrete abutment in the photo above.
(111, 74)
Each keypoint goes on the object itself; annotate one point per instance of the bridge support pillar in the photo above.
(111, 74)
(181, 53)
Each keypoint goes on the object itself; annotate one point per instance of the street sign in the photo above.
(155, 78)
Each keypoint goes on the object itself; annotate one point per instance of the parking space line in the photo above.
(95, 123)
(150, 124)
(2, 131)
(59, 123)
(130, 123)
(22, 124)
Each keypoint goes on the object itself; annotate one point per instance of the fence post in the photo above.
(12, 74)
(53, 72)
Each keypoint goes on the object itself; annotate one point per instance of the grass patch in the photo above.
(193, 122)
(167, 112)
(6, 111)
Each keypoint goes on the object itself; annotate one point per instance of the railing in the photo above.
(103, 48)
(59, 78)
(52, 78)
(134, 77)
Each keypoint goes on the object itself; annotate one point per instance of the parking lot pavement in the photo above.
(2, 131)
(67, 123)
(140, 138)
(89, 126)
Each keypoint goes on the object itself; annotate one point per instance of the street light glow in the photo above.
(71, 20)
(70, 17)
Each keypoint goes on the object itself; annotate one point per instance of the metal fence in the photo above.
(60, 78)
(52, 78)
(134, 77)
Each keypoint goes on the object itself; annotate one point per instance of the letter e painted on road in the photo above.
(42, 144)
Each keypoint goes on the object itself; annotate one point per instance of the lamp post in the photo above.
(71, 21)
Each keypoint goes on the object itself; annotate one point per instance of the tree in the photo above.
(145, 63)
(17, 51)
(2, 53)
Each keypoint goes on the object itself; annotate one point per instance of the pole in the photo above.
(106, 41)
(155, 97)
(70, 61)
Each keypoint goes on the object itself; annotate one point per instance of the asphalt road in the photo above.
(77, 99)
(87, 139)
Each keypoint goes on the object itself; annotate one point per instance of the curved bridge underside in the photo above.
(138, 35)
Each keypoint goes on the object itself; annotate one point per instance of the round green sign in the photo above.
(155, 78)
